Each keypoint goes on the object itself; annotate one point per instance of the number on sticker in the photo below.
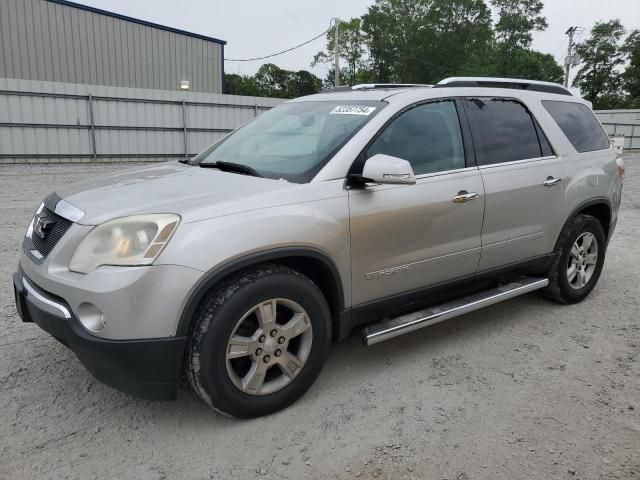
(353, 110)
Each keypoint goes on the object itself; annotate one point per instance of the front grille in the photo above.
(54, 234)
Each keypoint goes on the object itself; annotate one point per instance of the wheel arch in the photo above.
(600, 208)
(311, 262)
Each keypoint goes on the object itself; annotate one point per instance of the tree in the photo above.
(511, 55)
(302, 83)
(517, 20)
(351, 47)
(422, 41)
(521, 63)
(454, 32)
(631, 76)
(378, 35)
(534, 65)
(393, 29)
(601, 57)
(235, 84)
(272, 81)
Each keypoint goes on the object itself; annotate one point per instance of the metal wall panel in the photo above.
(42, 40)
(61, 122)
(622, 123)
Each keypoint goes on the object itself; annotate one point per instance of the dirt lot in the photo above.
(522, 390)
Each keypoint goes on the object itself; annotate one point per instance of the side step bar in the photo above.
(393, 327)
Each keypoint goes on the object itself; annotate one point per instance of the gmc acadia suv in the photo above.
(388, 207)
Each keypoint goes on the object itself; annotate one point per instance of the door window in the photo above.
(503, 131)
(427, 136)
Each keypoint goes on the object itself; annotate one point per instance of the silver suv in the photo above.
(387, 207)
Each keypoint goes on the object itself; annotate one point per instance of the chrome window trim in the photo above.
(518, 162)
(445, 172)
(68, 211)
(47, 305)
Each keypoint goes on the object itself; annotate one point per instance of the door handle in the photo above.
(463, 196)
(551, 181)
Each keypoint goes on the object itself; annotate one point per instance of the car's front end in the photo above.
(114, 310)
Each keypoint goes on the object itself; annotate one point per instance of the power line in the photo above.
(278, 53)
(555, 55)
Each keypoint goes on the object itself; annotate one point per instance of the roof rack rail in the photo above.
(373, 86)
(513, 83)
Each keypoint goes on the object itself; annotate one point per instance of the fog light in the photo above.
(91, 317)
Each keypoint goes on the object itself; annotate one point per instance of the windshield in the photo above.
(292, 141)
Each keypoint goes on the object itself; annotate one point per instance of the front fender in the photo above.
(219, 246)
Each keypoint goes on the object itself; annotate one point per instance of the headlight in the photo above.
(127, 241)
(30, 228)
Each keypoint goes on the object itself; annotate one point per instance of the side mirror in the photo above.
(388, 170)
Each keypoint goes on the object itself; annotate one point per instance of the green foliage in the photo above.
(352, 50)
(272, 81)
(239, 85)
(511, 55)
(631, 76)
(517, 20)
(517, 63)
(424, 41)
(601, 58)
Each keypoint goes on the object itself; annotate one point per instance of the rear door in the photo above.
(523, 181)
(407, 237)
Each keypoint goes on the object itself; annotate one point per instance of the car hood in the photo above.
(194, 193)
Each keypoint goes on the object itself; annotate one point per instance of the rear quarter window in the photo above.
(579, 124)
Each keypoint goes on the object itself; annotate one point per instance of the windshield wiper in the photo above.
(232, 167)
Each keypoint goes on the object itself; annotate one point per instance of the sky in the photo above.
(254, 28)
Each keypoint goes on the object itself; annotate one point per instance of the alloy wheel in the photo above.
(269, 346)
(583, 259)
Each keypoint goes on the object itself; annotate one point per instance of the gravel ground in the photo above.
(526, 389)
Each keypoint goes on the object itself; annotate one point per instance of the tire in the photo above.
(246, 378)
(564, 287)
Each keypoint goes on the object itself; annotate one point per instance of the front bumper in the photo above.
(147, 368)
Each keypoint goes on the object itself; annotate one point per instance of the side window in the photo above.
(503, 131)
(579, 125)
(547, 151)
(427, 136)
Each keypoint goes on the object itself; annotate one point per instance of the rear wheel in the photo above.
(579, 260)
(259, 341)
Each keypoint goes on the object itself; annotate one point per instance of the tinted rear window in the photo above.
(504, 130)
(579, 124)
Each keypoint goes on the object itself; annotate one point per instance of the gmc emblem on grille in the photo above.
(42, 226)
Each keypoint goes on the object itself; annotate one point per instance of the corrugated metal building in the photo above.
(61, 41)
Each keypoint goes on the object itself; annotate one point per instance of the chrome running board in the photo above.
(393, 327)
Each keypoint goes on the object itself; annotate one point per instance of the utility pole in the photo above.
(337, 55)
(569, 59)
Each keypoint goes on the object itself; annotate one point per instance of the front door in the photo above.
(408, 237)
(523, 180)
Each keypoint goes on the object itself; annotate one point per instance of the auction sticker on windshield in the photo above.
(352, 110)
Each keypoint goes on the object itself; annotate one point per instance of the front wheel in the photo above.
(259, 341)
(579, 260)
